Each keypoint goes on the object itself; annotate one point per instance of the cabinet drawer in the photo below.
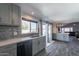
(9, 50)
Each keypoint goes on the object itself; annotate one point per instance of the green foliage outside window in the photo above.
(24, 27)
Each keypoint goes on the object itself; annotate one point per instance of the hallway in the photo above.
(58, 48)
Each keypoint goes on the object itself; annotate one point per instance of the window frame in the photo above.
(64, 29)
(30, 26)
(36, 26)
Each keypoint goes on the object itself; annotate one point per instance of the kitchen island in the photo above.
(61, 37)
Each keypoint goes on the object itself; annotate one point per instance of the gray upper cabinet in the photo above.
(16, 12)
(10, 14)
(5, 15)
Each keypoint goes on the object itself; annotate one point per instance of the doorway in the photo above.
(47, 31)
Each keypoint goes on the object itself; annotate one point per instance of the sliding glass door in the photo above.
(44, 29)
(47, 31)
(50, 32)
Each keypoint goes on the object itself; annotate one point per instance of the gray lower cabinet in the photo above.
(25, 48)
(9, 50)
(10, 14)
(31, 47)
(38, 44)
(42, 43)
(34, 46)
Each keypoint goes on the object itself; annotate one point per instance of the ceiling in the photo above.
(53, 12)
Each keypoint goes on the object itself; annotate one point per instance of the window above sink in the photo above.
(28, 27)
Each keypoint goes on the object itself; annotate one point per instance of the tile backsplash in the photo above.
(7, 32)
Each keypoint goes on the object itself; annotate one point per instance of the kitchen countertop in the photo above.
(16, 40)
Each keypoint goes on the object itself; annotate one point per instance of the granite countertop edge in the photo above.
(16, 40)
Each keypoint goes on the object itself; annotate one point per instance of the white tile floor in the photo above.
(47, 44)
